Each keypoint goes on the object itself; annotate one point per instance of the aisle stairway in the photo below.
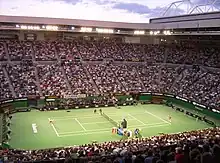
(181, 76)
(38, 81)
(118, 81)
(66, 80)
(139, 79)
(93, 82)
(6, 51)
(9, 82)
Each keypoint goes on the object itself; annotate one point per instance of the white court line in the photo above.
(94, 123)
(157, 117)
(117, 120)
(100, 132)
(97, 130)
(137, 119)
(89, 115)
(84, 118)
(87, 123)
(72, 132)
(54, 128)
(72, 117)
(80, 124)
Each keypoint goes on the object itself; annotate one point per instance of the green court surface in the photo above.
(82, 126)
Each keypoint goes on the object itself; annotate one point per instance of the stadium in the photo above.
(99, 91)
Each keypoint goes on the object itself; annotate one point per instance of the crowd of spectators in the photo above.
(52, 80)
(168, 77)
(5, 90)
(201, 146)
(88, 50)
(23, 78)
(176, 55)
(155, 53)
(105, 78)
(110, 76)
(109, 49)
(45, 50)
(78, 79)
(206, 89)
(149, 76)
(19, 50)
(67, 50)
(193, 55)
(128, 77)
(189, 77)
(2, 52)
(112, 49)
(132, 52)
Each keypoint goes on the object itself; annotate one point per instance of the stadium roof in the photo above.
(73, 22)
(205, 20)
(189, 17)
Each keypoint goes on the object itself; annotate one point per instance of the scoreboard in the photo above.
(51, 101)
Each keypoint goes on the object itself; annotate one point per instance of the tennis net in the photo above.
(110, 120)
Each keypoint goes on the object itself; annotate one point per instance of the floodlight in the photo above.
(23, 27)
(85, 29)
(137, 32)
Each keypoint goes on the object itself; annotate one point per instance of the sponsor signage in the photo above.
(20, 99)
(159, 94)
(50, 99)
(169, 95)
(216, 111)
(70, 96)
(202, 106)
(198, 108)
(180, 98)
(7, 101)
(148, 93)
(81, 96)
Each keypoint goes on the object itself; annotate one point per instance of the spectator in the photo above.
(179, 157)
(149, 157)
(206, 157)
(216, 151)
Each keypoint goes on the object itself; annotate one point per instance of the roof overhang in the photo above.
(195, 21)
(204, 20)
(73, 22)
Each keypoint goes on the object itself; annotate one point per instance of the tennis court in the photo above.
(96, 123)
(82, 126)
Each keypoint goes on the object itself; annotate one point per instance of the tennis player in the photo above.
(51, 121)
(100, 111)
(169, 118)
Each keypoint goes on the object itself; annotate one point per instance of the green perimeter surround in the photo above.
(24, 138)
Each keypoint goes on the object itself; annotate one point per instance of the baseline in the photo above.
(105, 131)
(54, 128)
(136, 119)
(109, 129)
(157, 117)
(95, 116)
(101, 118)
(80, 124)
